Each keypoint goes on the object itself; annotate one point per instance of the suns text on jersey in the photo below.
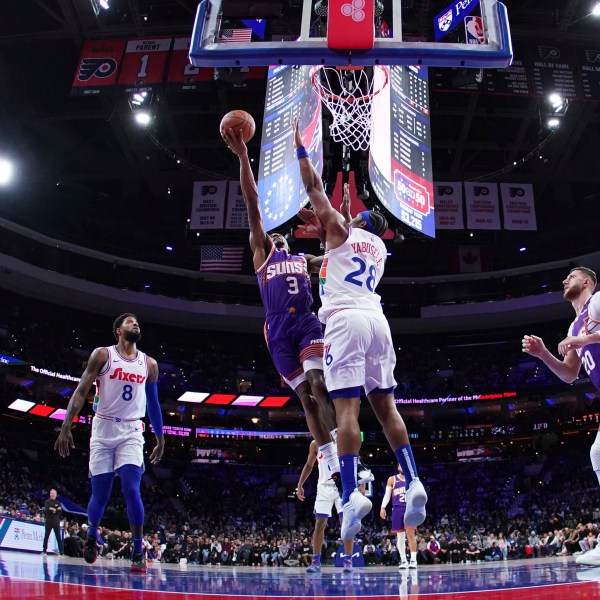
(368, 248)
(286, 267)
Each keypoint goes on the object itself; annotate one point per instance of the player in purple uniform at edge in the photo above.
(578, 348)
(396, 491)
(294, 334)
(359, 352)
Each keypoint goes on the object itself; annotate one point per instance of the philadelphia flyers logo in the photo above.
(96, 67)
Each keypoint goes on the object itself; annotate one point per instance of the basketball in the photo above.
(239, 119)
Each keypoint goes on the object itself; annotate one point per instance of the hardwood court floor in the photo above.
(31, 577)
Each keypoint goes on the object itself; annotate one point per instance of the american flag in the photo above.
(243, 34)
(226, 259)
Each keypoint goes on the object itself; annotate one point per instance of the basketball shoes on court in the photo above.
(412, 564)
(416, 498)
(403, 564)
(357, 507)
(138, 562)
(347, 565)
(591, 558)
(90, 550)
(314, 567)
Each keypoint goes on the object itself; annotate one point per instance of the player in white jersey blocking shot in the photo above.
(327, 498)
(580, 347)
(125, 387)
(359, 354)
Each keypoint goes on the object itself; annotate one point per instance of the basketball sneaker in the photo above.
(315, 567)
(357, 507)
(90, 550)
(403, 565)
(138, 562)
(412, 564)
(591, 558)
(347, 565)
(416, 498)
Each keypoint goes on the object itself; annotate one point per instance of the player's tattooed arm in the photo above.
(96, 362)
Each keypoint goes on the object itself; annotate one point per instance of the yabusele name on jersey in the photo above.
(367, 248)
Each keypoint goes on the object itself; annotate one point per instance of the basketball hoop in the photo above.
(348, 93)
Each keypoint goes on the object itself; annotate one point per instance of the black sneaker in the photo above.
(90, 550)
(138, 562)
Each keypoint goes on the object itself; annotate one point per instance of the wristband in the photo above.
(301, 152)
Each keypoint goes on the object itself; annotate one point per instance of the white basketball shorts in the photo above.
(359, 351)
(113, 445)
(327, 498)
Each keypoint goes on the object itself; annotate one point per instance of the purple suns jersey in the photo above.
(399, 493)
(284, 283)
(590, 354)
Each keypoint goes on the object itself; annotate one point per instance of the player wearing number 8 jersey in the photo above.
(579, 348)
(359, 353)
(294, 334)
(125, 388)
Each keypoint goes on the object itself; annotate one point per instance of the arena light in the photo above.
(556, 101)
(6, 171)
(553, 123)
(21, 405)
(59, 414)
(196, 397)
(244, 400)
(104, 4)
(274, 401)
(143, 118)
(596, 9)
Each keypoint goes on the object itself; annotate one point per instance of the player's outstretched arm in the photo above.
(97, 360)
(154, 412)
(330, 218)
(307, 470)
(566, 369)
(260, 242)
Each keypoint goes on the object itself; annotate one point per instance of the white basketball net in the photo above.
(348, 94)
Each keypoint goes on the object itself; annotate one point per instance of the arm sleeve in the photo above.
(387, 496)
(153, 408)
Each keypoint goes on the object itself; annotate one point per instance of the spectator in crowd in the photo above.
(494, 552)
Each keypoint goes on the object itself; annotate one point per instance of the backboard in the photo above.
(210, 48)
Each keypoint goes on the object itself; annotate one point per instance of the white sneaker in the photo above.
(357, 507)
(416, 498)
(412, 564)
(591, 558)
(403, 565)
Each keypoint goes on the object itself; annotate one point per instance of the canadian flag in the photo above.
(469, 259)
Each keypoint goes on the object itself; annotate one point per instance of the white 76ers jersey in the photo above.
(121, 386)
(324, 474)
(350, 273)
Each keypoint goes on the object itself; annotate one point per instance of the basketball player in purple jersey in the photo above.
(125, 387)
(396, 490)
(294, 334)
(578, 348)
(359, 352)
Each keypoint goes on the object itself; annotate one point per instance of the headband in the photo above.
(366, 217)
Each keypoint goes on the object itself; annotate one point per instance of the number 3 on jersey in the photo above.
(293, 285)
(362, 267)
